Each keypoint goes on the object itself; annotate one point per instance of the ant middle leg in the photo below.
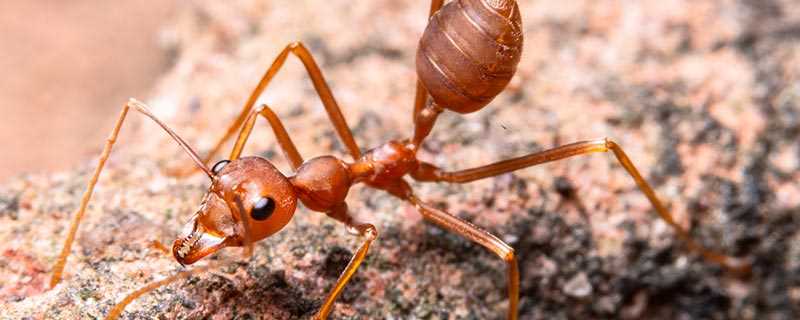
(324, 92)
(284, 140)
(484, 238)
(428, 172)
(58, 267)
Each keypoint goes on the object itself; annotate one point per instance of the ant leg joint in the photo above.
(610, 143)
(428, 172)
(366, 230)
(510, 256)
(370, 232)
(295, 45)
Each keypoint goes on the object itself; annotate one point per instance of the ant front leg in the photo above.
(117, 310)
(428, 172)
(58, 268)
(366, 230)
(478, 235)
(324, 92)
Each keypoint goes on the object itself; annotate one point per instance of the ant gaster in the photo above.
(466, 56)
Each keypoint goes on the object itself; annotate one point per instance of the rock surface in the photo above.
(703, 95)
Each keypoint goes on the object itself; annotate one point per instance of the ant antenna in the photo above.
(143, 109)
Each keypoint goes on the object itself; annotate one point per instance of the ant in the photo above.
(466, 56)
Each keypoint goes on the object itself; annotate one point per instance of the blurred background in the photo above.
(68, 65)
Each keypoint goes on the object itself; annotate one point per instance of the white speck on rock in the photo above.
(578, 286)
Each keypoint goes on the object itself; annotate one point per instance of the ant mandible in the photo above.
(466, 56)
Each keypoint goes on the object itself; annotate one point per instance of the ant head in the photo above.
(243, 191)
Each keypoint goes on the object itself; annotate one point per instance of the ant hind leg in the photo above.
(421, 94)
(428, 172)
(425, 111)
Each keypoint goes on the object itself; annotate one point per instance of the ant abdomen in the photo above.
(461, 70)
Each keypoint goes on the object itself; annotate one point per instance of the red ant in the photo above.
(467, 55)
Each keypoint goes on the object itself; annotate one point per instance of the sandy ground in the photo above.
(702, 95)
(67, 68)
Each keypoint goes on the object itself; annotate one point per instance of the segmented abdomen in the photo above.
(469, 52)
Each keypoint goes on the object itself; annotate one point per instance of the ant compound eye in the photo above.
(263, 208)
(219, 165)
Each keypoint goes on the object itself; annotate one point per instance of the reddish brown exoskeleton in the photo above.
(467, 55)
